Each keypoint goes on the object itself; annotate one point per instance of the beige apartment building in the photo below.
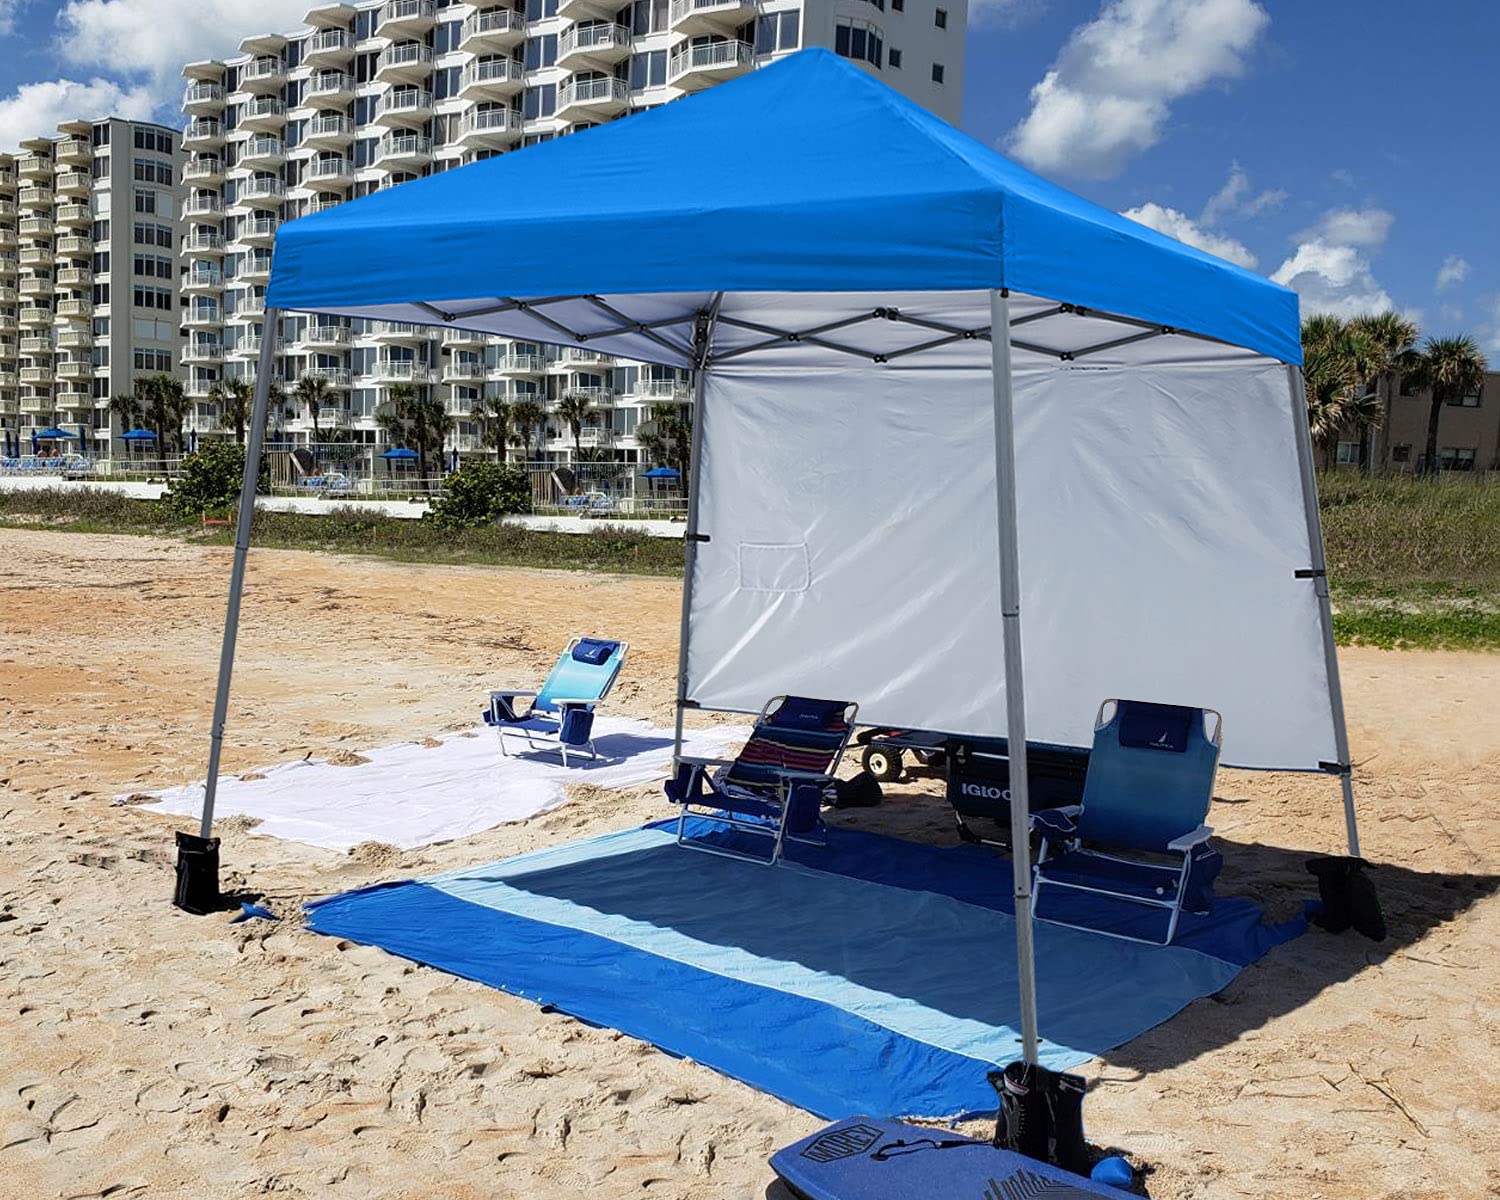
(90, 223)
(1468, 433)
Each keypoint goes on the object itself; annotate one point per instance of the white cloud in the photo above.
(1108, 95)
(1332, 278)
(8, 11)
(1182, 227)
(1234, 198)
(36, 108)
(1452, 273)
(1366, 227)
(154, 38)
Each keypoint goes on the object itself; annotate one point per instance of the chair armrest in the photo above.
(1188, 840)
(581, 702)
(690, 761)
(510, 693)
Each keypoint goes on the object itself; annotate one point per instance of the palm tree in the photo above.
(127, 408)
(416, 421)
(528, 419)
(1451, 368)
(1338, 358)
(236, 398)
(494, 416)
(667, 436)
(1389, 340)
(574, 409)
(313, 392)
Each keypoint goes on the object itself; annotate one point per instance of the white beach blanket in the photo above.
(412, 795)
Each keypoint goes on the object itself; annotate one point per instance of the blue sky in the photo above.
(1340, 146)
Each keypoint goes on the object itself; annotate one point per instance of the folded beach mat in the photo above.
(866, 1159)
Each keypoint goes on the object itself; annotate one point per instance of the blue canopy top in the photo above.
(53, 434)
(138, 435)
(808, 175)
(399, 452)
(661, 473)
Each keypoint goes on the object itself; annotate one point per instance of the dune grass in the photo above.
(1411, 563)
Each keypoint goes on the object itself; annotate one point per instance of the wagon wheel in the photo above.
(883, 762)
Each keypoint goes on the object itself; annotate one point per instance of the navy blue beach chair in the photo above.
(560, 716)
(775, 788)
(1138, 835)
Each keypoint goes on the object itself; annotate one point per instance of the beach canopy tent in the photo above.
(933, 391)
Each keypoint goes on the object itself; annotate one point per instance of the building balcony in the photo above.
(9, 264)
(595, 437)
(203, 99)
(204, 242)
(495, 128)
(75, 246)
(35, 375)
(599, 397)
(247, 347)
(201, 387)
(205, 170)
(254, 268)
(406, 62)
(248, 308)
(336, 377)
(202, 133)
(35, 317)
(36, 226)
(8, 380)
(8, 295)
(75, 277)
(403, 152)
(398, 331)
(598, 99)
(264, 114)
(8, 210)
(37, 404)
(35, 167)
(75, 309)
(465, 337)
(328, 48)
(38, 345)
(582, 356)
(8, 240)
(330, 87)
(587, 10)
(262, 152)
(465, 372)
(521, 364)
(74, 184)
(492, 29)
(203, 279)
(75, 369)
(328, 131)
(261, 192)
(70, 337)
(203, 352)
(328, 171)
(404, 107)
(710, 16)
(74, 216)
(695, 67)
(257, 231)
(76, 152)
(202, 206)
(37, 198)
(334, 418)
(386, 370)
(37, 287)
(324, 337)
(593, 45)
(405, 18)
(196, 422)
(263, 75)
(489, 79)
(204, 316)
(35, 256)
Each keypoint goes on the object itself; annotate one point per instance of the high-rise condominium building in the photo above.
(90, 221)
(374, 94)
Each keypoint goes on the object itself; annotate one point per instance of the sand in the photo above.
(144, 1052)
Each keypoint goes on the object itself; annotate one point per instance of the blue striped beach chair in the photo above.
(775, 788)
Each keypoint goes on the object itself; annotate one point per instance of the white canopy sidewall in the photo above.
(853, 546)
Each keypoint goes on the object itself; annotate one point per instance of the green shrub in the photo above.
(210, 480)
(480, 494)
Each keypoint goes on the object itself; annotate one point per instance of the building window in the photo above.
(777, 31)
(1347, 454)
(940, 18)
(1456, 458)
(1401, 453)
(937, 72)
(145, 200)
(859, 41)
(893, 58)
(1465, 401)
(153, 297)
(149, 170)
(898, 5)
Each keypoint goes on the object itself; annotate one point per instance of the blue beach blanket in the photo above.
(876, 976)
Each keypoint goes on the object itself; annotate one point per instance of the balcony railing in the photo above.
(203, 243)
(404, 146)
(325, 335)
(581, 39)
(203, 166)
(493, 120)
(328, 125)
(606, 91)
(202, 206)
(491, 22)
(405, 100)
(327, 41)
(200, 279)
(263, 147)
(522, 364)
(203, 93)
(407, 54)
(203, 129)
(405, 10)
(710, 56)
(329, 83)
(262, 189)
(493, 73)
(262, 69)
(401, 370)
(261, 108)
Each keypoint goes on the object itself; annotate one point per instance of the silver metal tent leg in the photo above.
(1015, 689)
(1319, 565)
(703, 337)
(253, 444)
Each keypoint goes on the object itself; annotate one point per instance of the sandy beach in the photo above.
(144, 1052)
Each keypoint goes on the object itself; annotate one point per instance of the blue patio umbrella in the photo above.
(52, 434)
(661, 473)
(399, 452)
(138, 435)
